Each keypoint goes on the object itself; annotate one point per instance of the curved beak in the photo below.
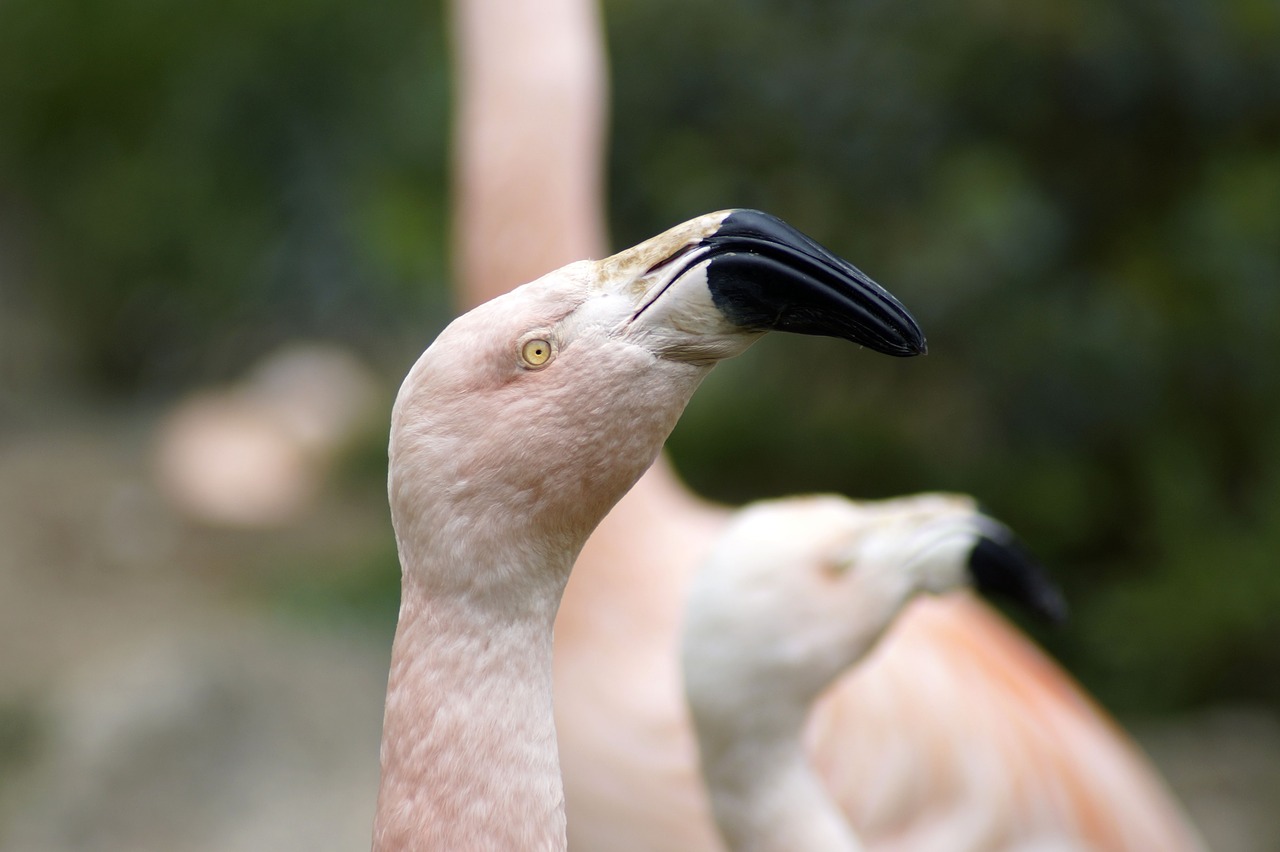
(1001, 566)
(728, 277)
(765, 275)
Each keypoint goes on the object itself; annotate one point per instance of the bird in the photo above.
(511, 437)
(528, 158)
(255, 454)
(797, 592)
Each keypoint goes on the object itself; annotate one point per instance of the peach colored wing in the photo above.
(958, 731)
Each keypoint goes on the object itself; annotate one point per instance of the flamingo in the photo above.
(511, 437)
(528, 152)
(795, 593)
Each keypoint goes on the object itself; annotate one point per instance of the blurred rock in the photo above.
(230, 735)
(88, 548)
(149, 700)
(255, 454)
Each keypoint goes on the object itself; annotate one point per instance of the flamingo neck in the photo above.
(528, 147)
(766, 797)
(469, 757)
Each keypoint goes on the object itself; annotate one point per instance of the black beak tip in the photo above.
(914, 344)
(1002, 567)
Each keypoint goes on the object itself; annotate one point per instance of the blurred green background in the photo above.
(1080, 202)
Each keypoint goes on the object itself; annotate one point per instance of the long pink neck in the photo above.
(528, 159)
(469, 757)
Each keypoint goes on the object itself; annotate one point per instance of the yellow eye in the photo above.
(535, 352)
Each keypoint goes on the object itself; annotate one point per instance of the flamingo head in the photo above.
(532, 414)
(798, 591)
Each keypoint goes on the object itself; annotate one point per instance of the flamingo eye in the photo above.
(536, 352)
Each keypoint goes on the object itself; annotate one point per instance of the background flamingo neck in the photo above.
(469, 757)
(766, 798)
(528, 141)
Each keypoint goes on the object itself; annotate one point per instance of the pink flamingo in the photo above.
(511, 437)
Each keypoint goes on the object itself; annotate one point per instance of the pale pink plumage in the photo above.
(511, 437)
(626, 748)
(498, 470)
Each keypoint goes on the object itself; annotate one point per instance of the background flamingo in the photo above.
(796, 593)
(531, 103)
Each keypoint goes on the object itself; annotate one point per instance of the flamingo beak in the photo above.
(715, 284)
(765, 275)
(1001, 566)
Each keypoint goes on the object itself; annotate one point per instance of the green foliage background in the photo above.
(1080, 201)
